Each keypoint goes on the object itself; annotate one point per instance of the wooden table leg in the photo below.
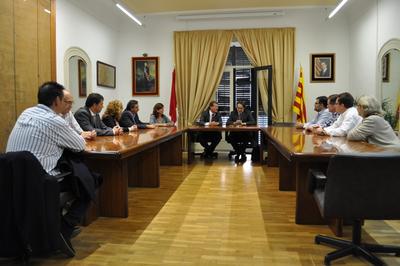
(171, 152)
(190, 146)
(113, 193)
(144, 168)
(273, 155)
(287, 174)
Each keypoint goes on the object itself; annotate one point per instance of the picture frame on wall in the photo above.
(106, 75)
(82, 78)
(385, 67)
(322, 67)
(145, 76)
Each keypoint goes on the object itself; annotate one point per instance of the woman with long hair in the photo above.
(158, 117)
(112, 115)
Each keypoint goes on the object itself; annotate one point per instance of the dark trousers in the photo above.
(209, 140)
(239, 141)
(77, 209)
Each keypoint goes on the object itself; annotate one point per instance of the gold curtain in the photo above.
(273, 47)
(200, 58)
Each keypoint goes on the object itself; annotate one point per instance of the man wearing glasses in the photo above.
(323, 114)
(70, 119)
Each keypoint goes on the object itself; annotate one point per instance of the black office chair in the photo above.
(30, 207)
(358, 187)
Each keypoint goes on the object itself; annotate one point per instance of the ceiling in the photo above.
(184, 6)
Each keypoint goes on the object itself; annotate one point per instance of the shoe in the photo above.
(77, 230)
(66, 247)
(237, 159)
(243, 158)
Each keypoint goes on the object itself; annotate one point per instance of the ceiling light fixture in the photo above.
(231, 15)
(129, 14)
(339, 6)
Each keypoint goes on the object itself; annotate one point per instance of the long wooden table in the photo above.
(192, 130)
(295, 152)
(132, 159)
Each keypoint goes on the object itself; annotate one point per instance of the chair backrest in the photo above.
(29, 204)
(363, 187)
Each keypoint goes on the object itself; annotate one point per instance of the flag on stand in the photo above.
(299, 105)
(172, 101)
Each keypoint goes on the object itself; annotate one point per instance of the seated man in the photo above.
(89, 119)
(210, 117)
(71, 121)
(238, 140)
(347, 120)
(130, 116)
(332, 109)
(41, 131)
(323, 114)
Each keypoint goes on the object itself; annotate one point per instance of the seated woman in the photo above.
(239, 140)
(158, 118)
(113, 114)
(373, 128)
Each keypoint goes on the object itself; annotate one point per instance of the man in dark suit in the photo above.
(89, 119)
(130, 116)
(210, 117)
(324, 72)
(238, 140)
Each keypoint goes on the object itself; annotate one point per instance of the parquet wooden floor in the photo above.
(212, 214)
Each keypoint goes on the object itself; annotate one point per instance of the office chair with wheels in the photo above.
(357, 188)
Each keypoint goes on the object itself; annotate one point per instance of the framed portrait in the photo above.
(105, 75)
(322, 67)
(145, 80)
(82, 78)
(385, 67)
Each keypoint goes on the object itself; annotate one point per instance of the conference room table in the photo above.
(192, 131)
(130, 160)
(295, 151)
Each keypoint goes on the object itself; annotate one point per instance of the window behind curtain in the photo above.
(236, 84)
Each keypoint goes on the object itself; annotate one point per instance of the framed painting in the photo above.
(322, 67)
(385, 67)
(145, 76)
(105, 75)
(82, 78)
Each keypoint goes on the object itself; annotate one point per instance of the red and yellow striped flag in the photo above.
(299, 105)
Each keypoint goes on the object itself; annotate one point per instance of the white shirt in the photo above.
(210, 118)
(71, 121)
(45, 134)
(346, 121)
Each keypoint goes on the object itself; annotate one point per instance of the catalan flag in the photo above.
(299, 105)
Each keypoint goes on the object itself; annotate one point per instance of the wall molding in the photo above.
(76, 51)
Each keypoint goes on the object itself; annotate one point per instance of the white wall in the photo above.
(372, 24)
(313, 35)
(77, 28)
(116, 44)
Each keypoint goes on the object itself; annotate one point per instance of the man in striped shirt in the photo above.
(43, 132)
